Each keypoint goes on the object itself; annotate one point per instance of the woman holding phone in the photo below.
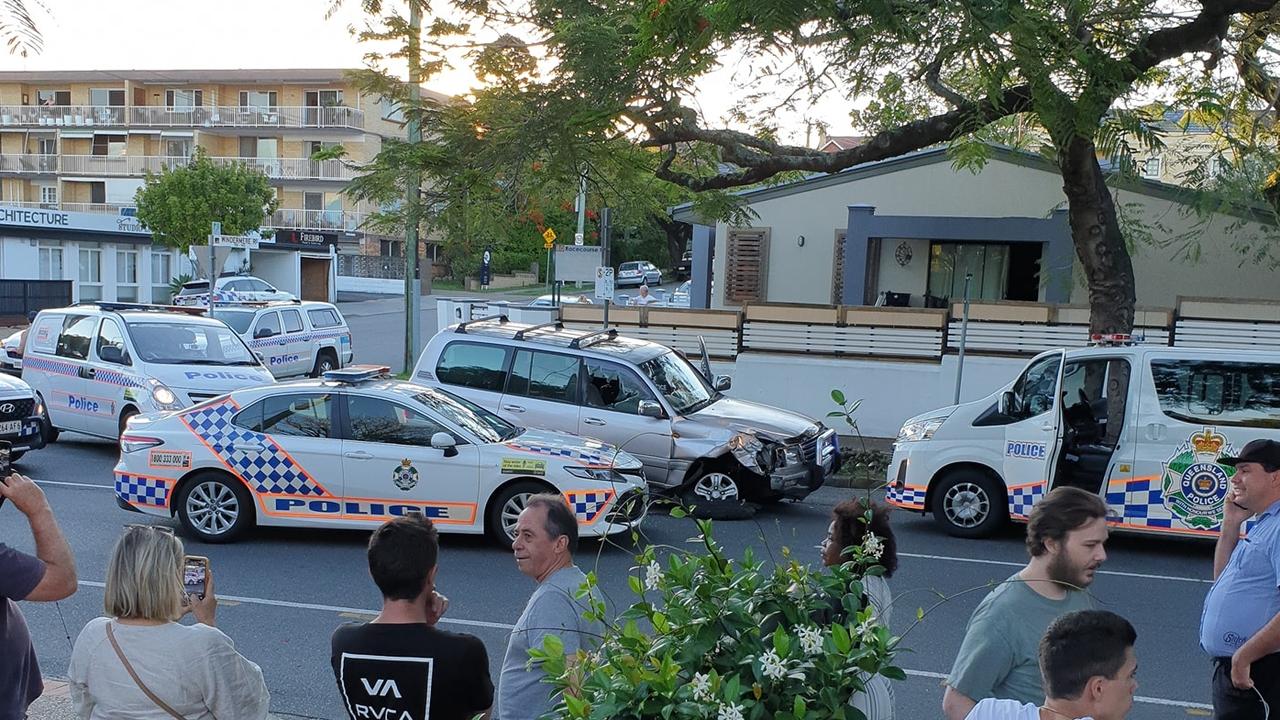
(140, 662)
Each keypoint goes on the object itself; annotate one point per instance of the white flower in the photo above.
(810, 640)
(701, 687)
(652, 575)
(773, 666)
(729, 711)
(873, 546)
(865, 628)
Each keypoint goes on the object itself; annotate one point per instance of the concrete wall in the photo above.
(370, 285)
(282, 269)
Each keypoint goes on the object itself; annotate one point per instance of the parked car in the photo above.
(11, 353)
(293, 338)
(684, 268)
(23, 421)
(230, 288)
(637, 273)
(638, 395)
(550, 300)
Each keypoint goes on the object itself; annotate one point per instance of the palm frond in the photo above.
(18, 29)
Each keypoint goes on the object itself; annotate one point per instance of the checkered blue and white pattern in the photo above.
(588, 504)
(270, 471)
(104, 375)
(1140, 503)
(115, 377)
(1021, 498)
(908, 496)
(587, 457)
(296, 337)
(142, 490)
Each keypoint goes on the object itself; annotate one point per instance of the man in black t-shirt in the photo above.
(399, 666)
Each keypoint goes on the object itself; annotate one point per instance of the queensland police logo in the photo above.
(405, 476)
(1195, 484)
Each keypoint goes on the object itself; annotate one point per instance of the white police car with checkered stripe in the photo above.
(355, 448)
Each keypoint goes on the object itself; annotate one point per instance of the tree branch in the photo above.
(933, 80)
(1199, 33)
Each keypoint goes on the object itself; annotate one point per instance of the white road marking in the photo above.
(71, 484)
(1136, 698)
(980, 561)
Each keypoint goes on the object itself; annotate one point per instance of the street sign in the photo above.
(249, 242)
(549, 238)
(577, 238)
(577, 263)
(484, 268)
(604, 283)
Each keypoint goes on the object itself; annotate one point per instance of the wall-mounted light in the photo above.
(800, 241)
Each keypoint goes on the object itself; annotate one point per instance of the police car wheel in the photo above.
(505, 510)
(16, 455)
(215, 508)
(970, 504)
(324, 363)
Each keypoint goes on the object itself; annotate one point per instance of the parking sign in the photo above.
(604, 283)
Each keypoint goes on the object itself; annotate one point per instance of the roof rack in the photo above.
(145, 307)
(558, 325)
(598, 336)
(357, 373)
(259, 303)
(462, 327)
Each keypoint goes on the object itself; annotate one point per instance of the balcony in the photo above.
(139, 165)
(218, 116)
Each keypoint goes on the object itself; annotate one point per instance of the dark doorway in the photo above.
(1024, 271)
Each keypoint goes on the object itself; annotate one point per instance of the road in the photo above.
(284, 591)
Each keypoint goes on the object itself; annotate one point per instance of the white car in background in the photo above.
(11, 353)
(231, 288)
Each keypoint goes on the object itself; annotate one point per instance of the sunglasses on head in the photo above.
(142, 526)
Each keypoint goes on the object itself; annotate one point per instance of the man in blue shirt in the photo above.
(1240, 625)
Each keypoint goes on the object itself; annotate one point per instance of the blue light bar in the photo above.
(358, 373)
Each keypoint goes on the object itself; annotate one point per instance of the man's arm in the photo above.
(59, 579)
(956, 705)
(985, 659)
(1263, 643)
(1233, 517)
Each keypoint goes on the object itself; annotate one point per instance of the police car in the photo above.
(356, 448)
(95, 365)
(293, 338)
(22, 419)
(230, 288)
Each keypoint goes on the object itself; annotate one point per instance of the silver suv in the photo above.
(637, 395)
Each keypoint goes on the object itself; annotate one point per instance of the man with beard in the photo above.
(999, 655)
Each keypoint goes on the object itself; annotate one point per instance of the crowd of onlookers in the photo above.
(1035, 647)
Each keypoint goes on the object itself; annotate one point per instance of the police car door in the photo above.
(298, 351)
(112, 376)
(72, 399)
(290, 457)
(268, 339)
(391, 467)
(1031, 437)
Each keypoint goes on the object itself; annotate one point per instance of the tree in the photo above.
(179, 204)
(954, 72)
(18, 29)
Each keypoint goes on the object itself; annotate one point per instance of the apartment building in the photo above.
(76, 145)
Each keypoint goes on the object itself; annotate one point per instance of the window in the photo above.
(161, 274)
(49, 195)
(258, 100)
(391, 110)
(1151, 168)
(377, 420)
(177, 147)
(268, 325)
(47, 146)
(183, 99)
(615, 388)
(1094, 394)
(1240, 394)
(77, 333)
(292, 320)
(483, 367)
(103, 96)
(173, 343)
(110, 336)
(90, 274)
(1033, 392)
(323, 98)
(109, 145)
(1217, 166)
(49, 98)
(255, 285)
(127, 275)
(950, 262)
(683, 387)
(239, 320)
(324, 318)
(309, 415)
(746, 265)
(545, 376)
(51, 262)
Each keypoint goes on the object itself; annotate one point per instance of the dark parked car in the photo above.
(684, 268)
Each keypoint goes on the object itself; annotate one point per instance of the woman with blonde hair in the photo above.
(140, 663)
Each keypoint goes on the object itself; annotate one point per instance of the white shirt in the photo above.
(195, 669)
(877, 702)
(643, 300)
(993, 709)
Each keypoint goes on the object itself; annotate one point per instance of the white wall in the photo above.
(910, 278)
(370, 285)
(282, 269)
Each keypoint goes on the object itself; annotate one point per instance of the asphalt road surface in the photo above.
(284, 591)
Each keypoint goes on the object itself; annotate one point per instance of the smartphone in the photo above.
(195, 568)
(5, 448)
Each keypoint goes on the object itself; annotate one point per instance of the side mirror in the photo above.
(1007, 402)
(722, 383)
(263, 333)
(112, 354)
(261, 358)
(649, 408)
(444, 441)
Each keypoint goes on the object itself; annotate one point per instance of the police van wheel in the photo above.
(215, 508)
(324, 363)
(124, 419)
(500, 525)
(970, 504)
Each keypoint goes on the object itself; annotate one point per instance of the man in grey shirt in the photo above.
(546, 538)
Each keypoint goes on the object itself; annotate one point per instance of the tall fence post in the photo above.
(964, 336)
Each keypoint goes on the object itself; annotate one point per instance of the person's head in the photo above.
(849, 527)
(1087, 659)
(144, 575)
(402, 558)
(1067, 531)
(1257, 479)
(546, 536)
(644, 291)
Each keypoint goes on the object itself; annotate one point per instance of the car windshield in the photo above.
(239, 320)
(174, 344)
(679, 383)
(470, 417)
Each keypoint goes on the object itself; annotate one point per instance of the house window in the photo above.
(183, 99)
(161, 273)
(1151, 168)
(177, 147)
(103, 96)
(1218, 166)
(49, 196)
(258, 100)
(950, 262)
(746, 266)
(90, 274)
(110, 145)
(391, 110)
(127, 275)
(50, 262)
(323, 98)
(47, 146)
(49, 98)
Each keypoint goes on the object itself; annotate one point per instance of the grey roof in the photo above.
(282, 75)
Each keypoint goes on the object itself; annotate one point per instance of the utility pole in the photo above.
(412, 272)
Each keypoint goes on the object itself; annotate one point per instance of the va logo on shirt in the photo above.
(387, 688)
(405, 476)
(1195, 485)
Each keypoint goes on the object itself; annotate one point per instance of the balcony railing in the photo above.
(139, 165)
(291, 218)
(193, 117)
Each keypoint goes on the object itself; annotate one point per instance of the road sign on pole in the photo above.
(577, 238)
(244, 242)
(604, 283)
(549, 238)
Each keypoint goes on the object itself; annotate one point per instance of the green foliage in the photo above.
(176, 283)
(179, 204)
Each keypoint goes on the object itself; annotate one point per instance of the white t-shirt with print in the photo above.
(993, 709)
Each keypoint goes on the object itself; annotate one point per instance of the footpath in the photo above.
(55, 704)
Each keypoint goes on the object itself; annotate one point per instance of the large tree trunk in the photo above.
(678, 236)
(1095, 232)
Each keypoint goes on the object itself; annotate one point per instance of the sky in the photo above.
(226, 34)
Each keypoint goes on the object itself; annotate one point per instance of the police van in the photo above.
(96, 365)
(293, 338)
(1141, 426)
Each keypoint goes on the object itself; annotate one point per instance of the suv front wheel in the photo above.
(716, 494)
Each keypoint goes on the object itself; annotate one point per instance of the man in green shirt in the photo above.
(999, 655)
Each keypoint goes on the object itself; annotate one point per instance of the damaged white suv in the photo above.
(640, 396)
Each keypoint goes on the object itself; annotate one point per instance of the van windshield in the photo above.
(239, 320)
(679, 383)
(174, 344)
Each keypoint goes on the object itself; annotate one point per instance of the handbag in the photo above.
(137, 680)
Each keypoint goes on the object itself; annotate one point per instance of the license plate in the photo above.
(10, 428)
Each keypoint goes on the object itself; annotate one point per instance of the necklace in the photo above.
(1056, 712)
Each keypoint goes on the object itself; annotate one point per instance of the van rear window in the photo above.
(1230, 393)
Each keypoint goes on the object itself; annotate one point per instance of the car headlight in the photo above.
(598, 474)
(165, 398)
(787, 455)
(920, 430)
